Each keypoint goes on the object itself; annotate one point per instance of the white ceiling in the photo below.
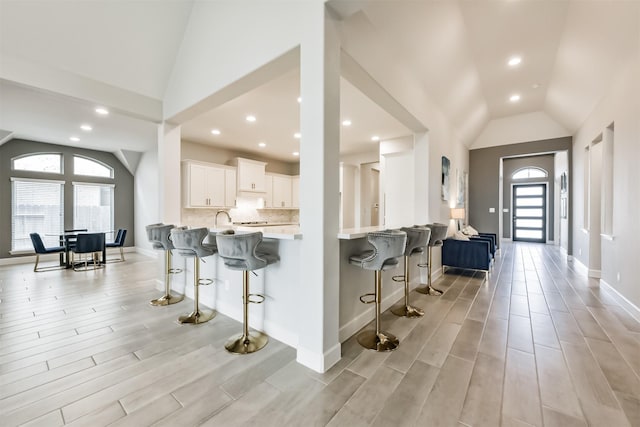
(277, 111)
(571, 49)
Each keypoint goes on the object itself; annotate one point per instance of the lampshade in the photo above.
(457, 213)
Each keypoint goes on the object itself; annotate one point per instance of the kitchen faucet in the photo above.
(215, 220)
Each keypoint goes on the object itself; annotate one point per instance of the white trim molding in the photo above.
(319, 362)
(627, 305)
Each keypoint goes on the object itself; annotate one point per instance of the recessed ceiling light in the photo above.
(262, 144)
(251, 118)
(535, 85)
(514, 60)
(296, 135)
(299, 99)
(215, 131)
(102, 111)
(514, 98)
(295, 153)
(74, 139)
(375, 138)
(346, 122)
(86, 128)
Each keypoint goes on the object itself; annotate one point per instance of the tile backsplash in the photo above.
(205, 217)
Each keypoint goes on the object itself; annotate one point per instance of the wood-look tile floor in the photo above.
(537, 344)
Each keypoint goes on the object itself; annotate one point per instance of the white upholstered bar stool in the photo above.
(242, 252)
(438, 234)
(388, 247)
(417, 240)
(159, 236)
(190, 243)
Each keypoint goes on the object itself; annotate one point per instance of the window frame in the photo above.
(39, 153)
(74, 205)
(61, 183)
(528, 169)
(91, 159)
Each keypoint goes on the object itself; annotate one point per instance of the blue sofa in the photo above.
(467, 254)
(489, 237)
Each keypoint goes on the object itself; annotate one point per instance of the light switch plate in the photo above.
(492, 210)
(505, 210)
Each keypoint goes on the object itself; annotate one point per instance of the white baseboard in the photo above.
(596, 274)
(627, 305)
(578, 265)
(319, 362)
(147, 252)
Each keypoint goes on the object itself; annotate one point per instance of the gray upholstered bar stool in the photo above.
(191, 244)
(438, 234)
(388, 248)
(242, 252)
(417, 240)
(158, 235)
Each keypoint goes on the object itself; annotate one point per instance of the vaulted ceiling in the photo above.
(570, 50)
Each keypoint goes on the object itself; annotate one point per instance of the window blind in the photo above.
(93, 206)
(37, 206)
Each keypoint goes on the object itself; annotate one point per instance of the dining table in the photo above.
(67, 239)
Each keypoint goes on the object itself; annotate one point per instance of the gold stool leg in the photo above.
(167, 298)
(378, 340)
(406, 310)
(247, 342)
(197, 316)
(429, 290)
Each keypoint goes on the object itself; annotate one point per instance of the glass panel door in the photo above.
(529, 212)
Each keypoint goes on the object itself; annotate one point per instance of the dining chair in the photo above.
(118, 242)
(88, 243)
(39, 247)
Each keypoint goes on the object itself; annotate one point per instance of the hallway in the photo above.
(538, 344)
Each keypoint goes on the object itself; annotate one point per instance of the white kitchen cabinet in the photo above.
(205, 185)
(281, 191)
(230, 188)
(268, 197)
(295, 191)
(251, 174)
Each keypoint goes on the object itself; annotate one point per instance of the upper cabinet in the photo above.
(207, 185)
(251, 175)
(281, 194)
(295, 191)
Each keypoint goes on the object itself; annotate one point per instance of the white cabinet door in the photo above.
(215, 186)
(295, 191)
(197, 179)
(208, 185)
(251, 176)
(281, 191)
(230, 188)
(268, 197)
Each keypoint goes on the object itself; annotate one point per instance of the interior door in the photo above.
(530, 212)
(375, 197)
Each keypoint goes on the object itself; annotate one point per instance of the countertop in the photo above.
(281, 232)
(359, 232)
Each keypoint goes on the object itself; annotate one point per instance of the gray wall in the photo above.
(509, 166)
(484, 179)
(123, 180)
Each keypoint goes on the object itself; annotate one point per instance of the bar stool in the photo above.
(242, 252)
(190, 244)
(438, 234)
(159, 236)
(417, 240)
(388, 248)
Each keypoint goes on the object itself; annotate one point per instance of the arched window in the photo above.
(89, 167)
(530, 172)
(41, 162)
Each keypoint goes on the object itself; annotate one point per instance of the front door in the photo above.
(530, 212)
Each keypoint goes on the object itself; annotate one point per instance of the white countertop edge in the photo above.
(269, 232)
(359, 232)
